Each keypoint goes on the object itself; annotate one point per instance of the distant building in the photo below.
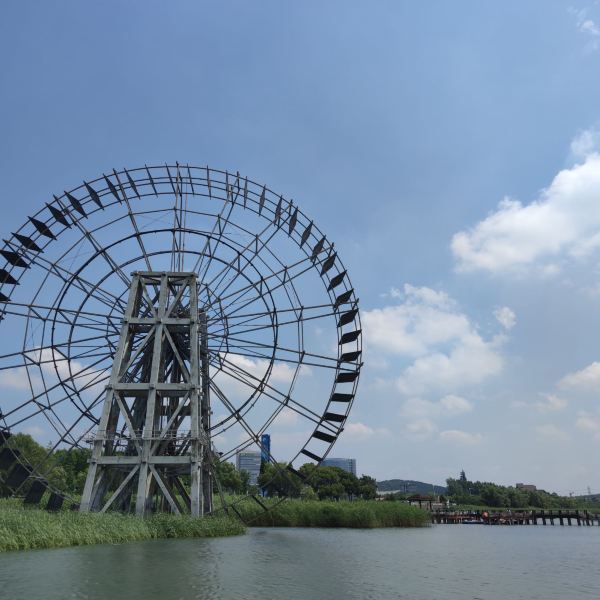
(249, 461)
(348, 464)
(526, 487)
(265, 447)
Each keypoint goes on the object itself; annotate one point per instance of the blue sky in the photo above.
(400, 127)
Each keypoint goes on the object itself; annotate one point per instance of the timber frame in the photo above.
(152, 450)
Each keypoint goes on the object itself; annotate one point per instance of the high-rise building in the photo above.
(348, 464)
(249, 460)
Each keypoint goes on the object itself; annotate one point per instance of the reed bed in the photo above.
(27, 529)
(360, 514)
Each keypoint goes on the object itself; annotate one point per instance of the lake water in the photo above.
(444, 561)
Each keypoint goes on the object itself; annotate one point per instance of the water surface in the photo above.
(437, 563)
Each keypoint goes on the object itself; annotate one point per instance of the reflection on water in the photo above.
(452, 561)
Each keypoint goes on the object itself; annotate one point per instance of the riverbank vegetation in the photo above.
(359, 514)
(66, 471)
(315, 483)
(463, 492)
(26, 528)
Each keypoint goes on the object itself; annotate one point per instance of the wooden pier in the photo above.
(566, 517)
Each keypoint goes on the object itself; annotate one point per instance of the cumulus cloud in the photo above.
(35, 431)
(50, 363)
(281, 373)
(550, 403)
(421, 428)
(424, 319)
(587, 379)
(551, 431)
(506, 317)
(464, 438)
(585, 143)
(470, 361)
(588, 423)
(547, 403)
(359, 432)
(446, 350)
(447, 406)
(587, 27)
(14, 379)
(563, 222)
(286, 418)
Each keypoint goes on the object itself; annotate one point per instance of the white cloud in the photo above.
(421, 428)
(423, 320)
(455, 405)
(52, 364)
(15, 379)
(563, 222)
(282, 372)
(550, 403)
(547, 403)
(506, 317)
(449, 406)
(286, 418)
(470, 361)
(586, 143)
(34, 431)
(456, 436)
(551, 431)
(360, 432)
(587, 27)
(447, 350)
(588, 424)
(587, 378)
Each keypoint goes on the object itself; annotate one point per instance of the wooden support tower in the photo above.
(152, 449)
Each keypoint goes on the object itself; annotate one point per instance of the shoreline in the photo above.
(32, 529)
(358, 514)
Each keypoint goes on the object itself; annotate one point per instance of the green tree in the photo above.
(74, 463)
(229, 478)
(493, 495)
(27, 449)
(367, 488)
(277, 480)
(536, 500)
(307, 493)
(245, 479)
(327, 483)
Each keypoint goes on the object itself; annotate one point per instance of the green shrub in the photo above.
(357, 514)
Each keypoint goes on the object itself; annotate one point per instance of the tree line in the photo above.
(462, 491)
(315, 483)
(67, 470)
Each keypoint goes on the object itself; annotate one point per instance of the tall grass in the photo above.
(25, 528)
(358, 514)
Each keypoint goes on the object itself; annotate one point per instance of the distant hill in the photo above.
(409, 486)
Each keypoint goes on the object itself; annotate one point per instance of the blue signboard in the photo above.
(265, 447)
